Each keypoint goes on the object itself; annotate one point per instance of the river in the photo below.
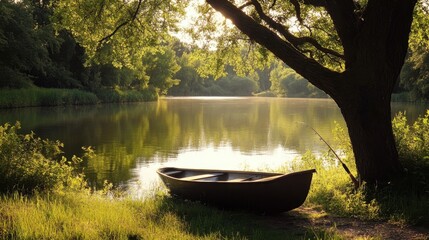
(132, 140)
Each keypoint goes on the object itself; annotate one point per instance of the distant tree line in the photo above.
(35, 53)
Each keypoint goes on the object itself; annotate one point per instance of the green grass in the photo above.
(79, 215)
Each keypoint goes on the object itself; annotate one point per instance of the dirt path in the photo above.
(349, 228)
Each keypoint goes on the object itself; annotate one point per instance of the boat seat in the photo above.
(268, 178)
(201, 176)
(172, 172)
(240, 179)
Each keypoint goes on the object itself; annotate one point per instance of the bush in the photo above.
(412, 140)
(29, 164)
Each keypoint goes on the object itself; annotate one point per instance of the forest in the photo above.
(38, 50)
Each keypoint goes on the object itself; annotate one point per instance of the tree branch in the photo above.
(318, 75)
(133, 17)
(295, 3)
(246, 4)
(296, 41)
(315, 3)
(342, 13)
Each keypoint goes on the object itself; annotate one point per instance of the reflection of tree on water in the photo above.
(125, 134)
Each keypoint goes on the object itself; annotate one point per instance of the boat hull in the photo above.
(272, 193)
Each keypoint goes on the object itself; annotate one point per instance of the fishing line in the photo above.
(354, 180)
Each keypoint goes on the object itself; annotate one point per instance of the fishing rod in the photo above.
(354, 180)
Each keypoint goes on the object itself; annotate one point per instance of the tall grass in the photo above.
(35, 97)
(80, 215)
(118, 96)
(31, 97)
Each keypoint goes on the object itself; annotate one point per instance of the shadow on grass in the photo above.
(405, 200)
(207, 221)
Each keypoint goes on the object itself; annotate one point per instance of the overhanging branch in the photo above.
(297, 7)
(121, 25)
(295, 41)
(342, 13)
(315, 3)
(310, 69)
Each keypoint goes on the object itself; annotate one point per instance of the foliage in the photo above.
(415, 75)
(237, 86)
(21, 50)
(161, 67)
(286, 82)
(29, 164)
(33, 53)
(118, 30)
(412, 140)
(190, 84)
(419, 36)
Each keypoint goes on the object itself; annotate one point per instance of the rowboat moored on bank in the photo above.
(256, 191)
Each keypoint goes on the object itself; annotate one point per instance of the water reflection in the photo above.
(231, 133)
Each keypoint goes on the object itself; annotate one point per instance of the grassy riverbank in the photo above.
(92, 216)
(43, 196)
(35, 97)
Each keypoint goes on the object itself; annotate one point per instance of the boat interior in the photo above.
(219, 176)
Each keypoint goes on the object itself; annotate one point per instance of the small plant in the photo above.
(30, 164)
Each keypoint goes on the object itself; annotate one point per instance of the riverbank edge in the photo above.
(47, 97)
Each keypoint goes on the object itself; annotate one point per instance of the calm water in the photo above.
(133, 140)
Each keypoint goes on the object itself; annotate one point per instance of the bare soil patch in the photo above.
(349, 228)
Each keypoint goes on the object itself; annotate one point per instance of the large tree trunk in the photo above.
(368, 117)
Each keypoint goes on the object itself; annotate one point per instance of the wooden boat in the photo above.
(256, 191)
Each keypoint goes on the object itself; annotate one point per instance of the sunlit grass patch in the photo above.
(66, 217)
(77, 215)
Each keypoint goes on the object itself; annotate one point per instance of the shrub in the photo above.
(29, 164)
(412, 140)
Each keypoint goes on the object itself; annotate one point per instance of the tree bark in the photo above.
(368, 120)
